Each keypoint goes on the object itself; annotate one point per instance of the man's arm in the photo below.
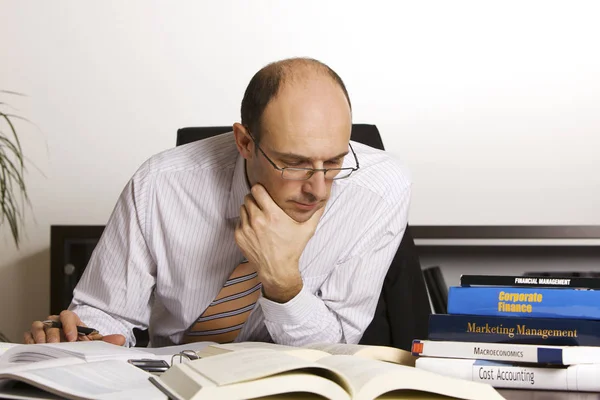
(113, 295)
(274, 242)
(346, 302)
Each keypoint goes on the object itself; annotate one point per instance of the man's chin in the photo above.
(300, 215)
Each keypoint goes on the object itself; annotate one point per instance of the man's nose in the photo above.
(317, 185)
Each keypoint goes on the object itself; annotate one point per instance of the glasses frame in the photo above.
(310, 171)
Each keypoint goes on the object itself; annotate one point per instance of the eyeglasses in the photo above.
(302, 174)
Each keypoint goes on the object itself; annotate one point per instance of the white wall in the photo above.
(493, 105)
(531, 260)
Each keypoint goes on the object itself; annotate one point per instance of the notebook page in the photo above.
(96, 380)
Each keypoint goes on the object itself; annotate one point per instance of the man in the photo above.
(317, 219)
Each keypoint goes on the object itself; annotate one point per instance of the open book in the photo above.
(86, 351)
(80, 370)
(12, 353)
(73, 378)
(316, 351)
(77, 370)
(247, 371)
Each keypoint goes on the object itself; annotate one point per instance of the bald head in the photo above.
(270, 81)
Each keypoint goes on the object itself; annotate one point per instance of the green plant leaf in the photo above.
(12, 128)
(13, 191)
(13, 93)
(7, 143)
(10, 211)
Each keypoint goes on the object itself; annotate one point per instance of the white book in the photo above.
(73, 378)
(314, 351)
(581, 377)
(80, 370)
(11, 353)
(257, 372)
(87, 351)
(523, 353)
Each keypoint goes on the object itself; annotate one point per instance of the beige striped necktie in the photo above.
(222, 321)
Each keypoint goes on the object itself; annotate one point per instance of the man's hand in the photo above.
(41, 333)
(273, 242)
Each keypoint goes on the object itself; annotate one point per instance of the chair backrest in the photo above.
(363, 133)
(191, 134)
(437, 288)
(403, 309)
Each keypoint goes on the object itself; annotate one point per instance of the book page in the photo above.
(370, 379)
(291, 396)
(27, 392)
(246, 365)
(217, 348)
(254, 345)
(336, 348)
(5, 346)
(56, 362)
(90, 351)
(181, 382)
(176, 349)
(300, 352)
(282, 385)
(382, 353)
(357, 372)
(96, 380)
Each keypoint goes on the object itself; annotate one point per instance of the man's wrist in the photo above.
(284, 291)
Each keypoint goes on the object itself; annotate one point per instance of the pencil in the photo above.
(81, 330)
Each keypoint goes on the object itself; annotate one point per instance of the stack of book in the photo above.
(533, 332)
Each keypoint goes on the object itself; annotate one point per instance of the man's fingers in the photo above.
(116, 339)
(69, 321)
(243, 217)
(27, 338)
(41, 332)
(252, 208)
(242, 223)
(38, 332)
(262, 198)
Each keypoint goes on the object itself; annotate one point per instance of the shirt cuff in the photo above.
(294, 312)
(103, 323)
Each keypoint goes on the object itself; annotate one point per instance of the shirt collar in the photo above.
(239, 188)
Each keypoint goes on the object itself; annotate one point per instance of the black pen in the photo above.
(81, 330)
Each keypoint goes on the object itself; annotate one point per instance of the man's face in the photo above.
(307, 125)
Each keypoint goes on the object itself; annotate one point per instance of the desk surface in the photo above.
(510, 394)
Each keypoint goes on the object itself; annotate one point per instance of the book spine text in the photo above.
(524, 302)
(505, 375)
(486, 329)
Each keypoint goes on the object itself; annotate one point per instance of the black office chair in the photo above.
(403, 309)
(437, 288)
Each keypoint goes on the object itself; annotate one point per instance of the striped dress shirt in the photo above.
(169, 247)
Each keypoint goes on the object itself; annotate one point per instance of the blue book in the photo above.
(543, 331)
(524, 302)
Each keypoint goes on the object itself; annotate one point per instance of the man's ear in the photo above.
(244, 143)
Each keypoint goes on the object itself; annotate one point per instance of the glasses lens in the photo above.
(338, 173)
(296, 174)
